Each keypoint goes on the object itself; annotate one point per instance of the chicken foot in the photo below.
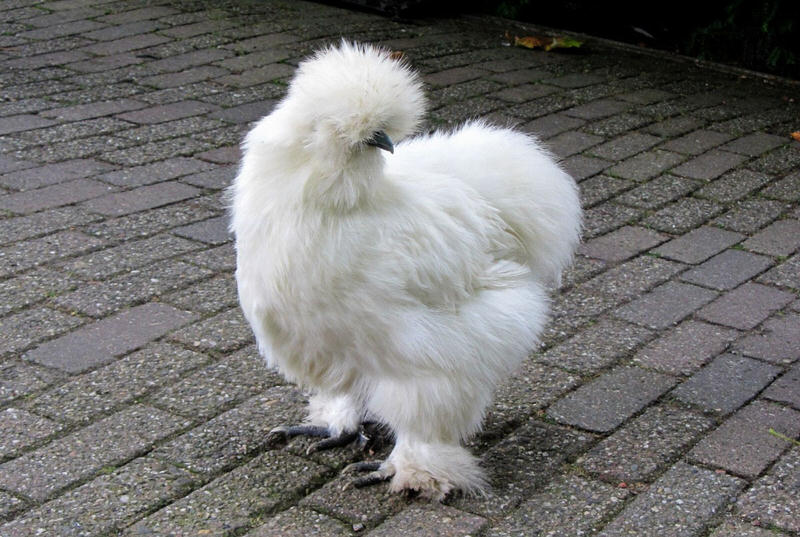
(328, 441)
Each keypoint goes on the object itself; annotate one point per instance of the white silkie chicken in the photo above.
(404, 282)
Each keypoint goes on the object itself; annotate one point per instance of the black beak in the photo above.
(382, 140)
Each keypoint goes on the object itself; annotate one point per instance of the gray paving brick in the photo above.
(666, 305)
(259, 75)
(786, 274)
(24, 255)
(216, 178)
(632, 278)
(26, 227)
(787, 189)
(142, 198)
(128, 256)
(521, 464)
(743, 445)
(625, 146)
(572, 142)
(221, 258)
(674, 126)
(109, 387)
(300, 522)
(699, 244)
(682, 503)
(226, 505)
(727, 269)
(622, 244)
(126, 44)
(735, 528)
(773, 500)
(54, 196)
(645, 166)
(209, 296)
(596, 347)
(686, 348)
(18, 379)
(617, 124)
(645, 446)
(155, 173)
(658, 191)
(32, 287)
(606, 402)
(98, 299)
(745, 307)
(228, 439)
(697, 142)
(709, 165)
(778, 341)
(90, 346)
(44, 471)
(107, 503)
(9, 505)
(22, 122)
(207, 391)
(167, 112)
(30, 326)
(750, 215)
(682, 215)
(550, 125)
(575, 80)
(599, 188)
(581, 167)
(430, 520)
(36, 177)
(22, 429)
(80, 112)
(786, 389)
(224, 332)
(755, 144)
(778, 161)
(734, 185)
(780, 238)
(726, 383)
(570, 505)
(213, 231)
(606, 217)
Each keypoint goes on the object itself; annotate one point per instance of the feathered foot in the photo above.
(328, 440)
(379, 472)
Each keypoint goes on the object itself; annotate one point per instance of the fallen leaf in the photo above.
(397, 55)
(543, 42)
(796, 135)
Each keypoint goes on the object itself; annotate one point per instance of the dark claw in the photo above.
(362, 466)
(376, 474)
(331, 442)
(372, 478)
(284, 433)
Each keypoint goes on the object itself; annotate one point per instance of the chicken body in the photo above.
(403, 286)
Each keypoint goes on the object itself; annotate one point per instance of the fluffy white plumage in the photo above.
(401, 286)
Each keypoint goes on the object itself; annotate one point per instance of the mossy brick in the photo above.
(107, 503)
(681, 503)
(606, 217)
(746, 306)
(32, 287)
(50, 174)
(786, 389)
(777, 341)
(622, 244)
(522, 464)
(778, 161)
(736, 528)
(683, 214)
(91, 345)
(230, 438)
(141, 199)
(167, 112)
(43, 472)
(685, 348)
(209, 296)
(781, 238)
(22, 429)
(726, 383)
(19, 379)
(606, 402)
(107, 388)
(631, 278)
(743, 444)
(596, 347)
(28, 327)
(430, 520)
(666, 305)
(223, 332)
(645, 446)
(773, 501)
(9, 505)
(227, 505)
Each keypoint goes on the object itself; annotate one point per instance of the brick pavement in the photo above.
(132, 401)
